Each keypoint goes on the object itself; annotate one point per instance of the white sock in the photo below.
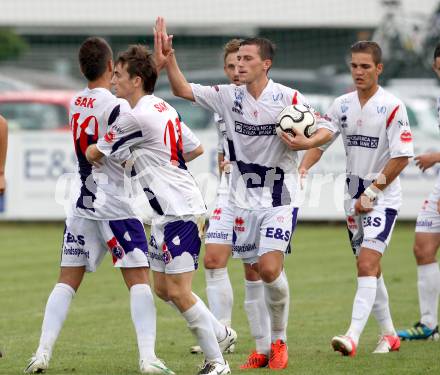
(57, 307)
(218, 327)
(428, 283)
(362, 305)
(199, 323)
(258, 315)
(276, 295)
(381, 309)
(220, 294)
(143, 314)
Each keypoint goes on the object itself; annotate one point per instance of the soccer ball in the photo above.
(295, 119)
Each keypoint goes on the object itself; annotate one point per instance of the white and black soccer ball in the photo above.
(294, 119)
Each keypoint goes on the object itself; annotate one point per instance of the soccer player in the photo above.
(160, 145)
(218, 247)
(3, 150)
(263, 177)
(426, 244)
(377, 140)
(100, 219)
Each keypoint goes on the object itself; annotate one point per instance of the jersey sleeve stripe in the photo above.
(125, 139)
(295, 98)
(391, 118)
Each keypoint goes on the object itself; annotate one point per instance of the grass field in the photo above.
(98, 337)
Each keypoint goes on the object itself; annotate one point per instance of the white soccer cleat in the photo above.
(229, 340)
(214, 368)
(345, 345)
(196, 349)
(388, 343)
(37, 364)
(154, 367)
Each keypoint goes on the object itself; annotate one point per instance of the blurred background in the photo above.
(39, 73)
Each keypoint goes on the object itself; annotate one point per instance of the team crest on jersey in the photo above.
(381, 110)
(166, 255)
(216, 214)
(277, 97)
(238, 102)
(239, 224)
(406, 136)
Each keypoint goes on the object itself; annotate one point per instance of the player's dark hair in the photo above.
(266, 48)
(231, 47)
(94, 55)
(370, 47)
(437, 51)
(140, 62)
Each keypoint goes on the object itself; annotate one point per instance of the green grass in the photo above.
(98, 337)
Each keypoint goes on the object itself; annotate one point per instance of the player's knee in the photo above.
(161, 292)
(215, 257)
(422, 254)
(269, 272)
(179, 297)
(366, 267)
(212, 262)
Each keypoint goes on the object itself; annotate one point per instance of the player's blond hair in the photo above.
(231, 47)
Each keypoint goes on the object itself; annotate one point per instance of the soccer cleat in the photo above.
(388, 343)
(37, 364)
(279, 357)
(154, 367)
(214, 368)
(419, 332)
(229, 340)
(344, 344)
(196, 349)
(255, 360)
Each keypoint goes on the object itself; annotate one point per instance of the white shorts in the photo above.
(257, 232)
(220, 224)
(428, 220)
(174, 244)
(86, 241)
(372, 230)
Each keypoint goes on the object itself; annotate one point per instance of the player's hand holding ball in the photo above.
(295, 125)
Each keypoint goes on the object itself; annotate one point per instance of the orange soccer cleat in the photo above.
(255, 360)
(279, 357)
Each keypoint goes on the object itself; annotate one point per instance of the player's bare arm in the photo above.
(391, 170)
(301, 142)
(426, 161)
(188, 156)
(164, 55)
(310, 158)
(3, 149)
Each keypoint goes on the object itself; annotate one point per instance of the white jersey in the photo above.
(264, 172)
(98, 192)
(157, 140)
(372, 135)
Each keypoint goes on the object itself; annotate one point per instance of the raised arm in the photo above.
(165, 57)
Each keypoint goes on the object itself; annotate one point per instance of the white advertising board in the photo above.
(39, 161)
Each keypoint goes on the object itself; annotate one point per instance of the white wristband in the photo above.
(370, 193)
